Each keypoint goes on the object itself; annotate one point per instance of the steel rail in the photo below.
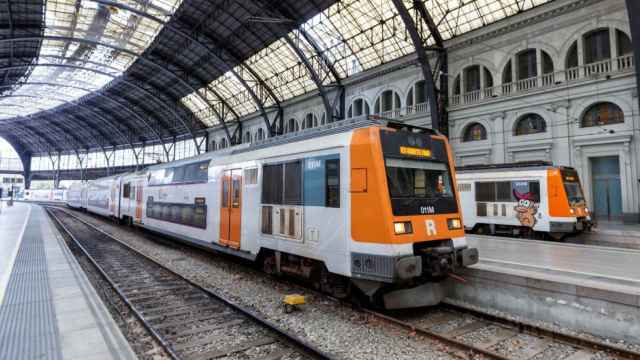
(516, 325)
(532, 329)
(294, 339)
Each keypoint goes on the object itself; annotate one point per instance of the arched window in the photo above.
(507, 73)
(212, 146)
(597, 46)
(456, 85)
(474, 132)
(572, 56)
(260, 134)
(547, 63)
(310, 121)
(530, 124)
(604, 113)
(292, 126)
(624, 43)
(389, 100)
(247, 137)
(223, 143)
(323, 121)
(417, 94)
(527, 64)
(359, 107)
(471, 78)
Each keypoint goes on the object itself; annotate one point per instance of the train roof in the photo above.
(516, 166)
(334, 128)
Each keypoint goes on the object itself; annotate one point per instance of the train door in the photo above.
(138, 195)
(230, 208)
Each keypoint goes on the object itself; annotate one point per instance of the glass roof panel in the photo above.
(89, 44)
(356, 35)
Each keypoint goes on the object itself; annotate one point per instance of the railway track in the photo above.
(187, 320)
(484, 334)
(437, 322)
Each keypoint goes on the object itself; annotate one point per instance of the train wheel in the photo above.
(336, 285)
(269, 263)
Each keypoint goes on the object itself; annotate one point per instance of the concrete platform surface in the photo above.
(603, 267)
(48, 308)
(584, 288)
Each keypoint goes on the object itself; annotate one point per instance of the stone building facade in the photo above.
(554, 83)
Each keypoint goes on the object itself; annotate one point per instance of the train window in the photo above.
(272, 184)
(481, 209)
(179, 174)
(225, 192)
(333, 183)
(126, 191)
(156, 177)
(251, 176)
(168, 176)
(503, 191)
(200, 171)
(529, 190)
(485, 191)
(235, 192)
(267, 220)
(293, 183)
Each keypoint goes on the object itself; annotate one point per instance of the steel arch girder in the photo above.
(107, 122)
(207, 43)
(113, 47)
(66, 135)
(175, 25)
(423, 59)
(110, 75)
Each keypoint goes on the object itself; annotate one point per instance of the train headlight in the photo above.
(454, 224)
(403, 227)
(572, 211)
(586, 210)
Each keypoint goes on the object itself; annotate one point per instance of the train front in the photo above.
(567, 205)
(406, 225)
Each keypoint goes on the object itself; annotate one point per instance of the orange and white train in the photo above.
(530, 199)
(368, 205)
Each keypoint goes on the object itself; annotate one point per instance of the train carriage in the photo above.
(76, 195)
(349, 206)
(103, 196)
(132, 196)
(531, 199)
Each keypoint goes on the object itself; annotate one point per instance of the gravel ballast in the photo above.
(334, 328)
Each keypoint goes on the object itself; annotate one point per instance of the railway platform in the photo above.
(586, 288)
(48, 308)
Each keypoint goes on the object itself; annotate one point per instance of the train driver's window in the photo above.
(126, 191)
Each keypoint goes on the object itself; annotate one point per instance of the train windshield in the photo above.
(418, 179)
(572, 187)
(420, 187)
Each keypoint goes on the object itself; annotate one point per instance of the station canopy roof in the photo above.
(96, 74)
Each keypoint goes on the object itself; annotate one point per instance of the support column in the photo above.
(463, 86)
(514, 73)
(482, 81)
(26, 172)
(538, 68)
(614, 49)
(580, 48)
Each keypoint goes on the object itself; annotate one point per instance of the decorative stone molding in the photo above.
(483, 153)
(598, 139)
(542, 145)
